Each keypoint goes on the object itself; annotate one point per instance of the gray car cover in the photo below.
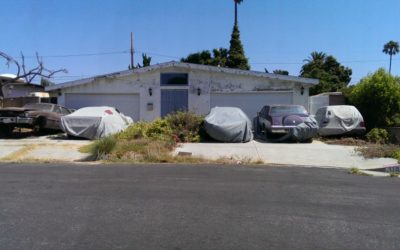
(94, 122)
(305, 130)
(228, 124)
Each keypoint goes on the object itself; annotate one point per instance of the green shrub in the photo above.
(395, 120)
(135, 131)
(149, 141)
(159, 130)
(396, 154)
(103, 147)
(378, 135)
(185, 126)
(377, 97)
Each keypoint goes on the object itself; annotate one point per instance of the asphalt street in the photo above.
(195, 207)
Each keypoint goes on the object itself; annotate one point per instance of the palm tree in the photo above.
(316, 57)
(391, 48)
(236, 5)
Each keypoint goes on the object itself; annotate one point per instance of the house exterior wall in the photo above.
(20, 90)
(206, 81)
(325, 99)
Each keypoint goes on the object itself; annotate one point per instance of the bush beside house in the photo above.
(150, 141)
(377, 97)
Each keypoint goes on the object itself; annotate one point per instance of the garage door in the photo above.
(250, 103)
(126, 103)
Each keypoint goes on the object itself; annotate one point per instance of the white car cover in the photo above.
(339, 119)
(94, 122)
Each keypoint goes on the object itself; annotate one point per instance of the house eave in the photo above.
(300, 80)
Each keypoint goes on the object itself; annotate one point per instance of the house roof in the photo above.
(329, 93)
(7, 77)
(173, 64)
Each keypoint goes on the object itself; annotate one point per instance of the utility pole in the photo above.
(132, 51)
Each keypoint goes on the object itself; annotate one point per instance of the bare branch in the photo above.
(10, 60)
(29, 75)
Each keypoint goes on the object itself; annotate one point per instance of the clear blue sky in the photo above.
(277, 34)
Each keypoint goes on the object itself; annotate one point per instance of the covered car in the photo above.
(340, 120)
(228, 124)
(37, 116)
(94, 122)
(286, 122)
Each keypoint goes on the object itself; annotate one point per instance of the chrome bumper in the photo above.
(16, 120)
(281, 129)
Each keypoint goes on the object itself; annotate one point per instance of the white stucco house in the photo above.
(151, 92)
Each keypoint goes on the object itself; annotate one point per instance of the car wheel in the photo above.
(39, 126)
(6, 130)
(308, 140)
(268, 134)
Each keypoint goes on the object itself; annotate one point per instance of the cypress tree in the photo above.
(236, 56)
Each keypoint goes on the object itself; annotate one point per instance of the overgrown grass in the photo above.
(375, 145)
(102, 148)
(239, 161)
(357, 171)
(150, 141)
(380, 151)
(345, 141)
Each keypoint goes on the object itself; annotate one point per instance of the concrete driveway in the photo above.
(57, 148)
(307, 154)
(52, 148)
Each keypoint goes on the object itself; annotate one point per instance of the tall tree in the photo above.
(237, 2)
(281, 72)
(332, 75)
(236, 56)
(45, 82)
(217, 58)
(146, 60)
(391, 48)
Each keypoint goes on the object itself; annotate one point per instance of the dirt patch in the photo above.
(379, 150)
(345, 141)
(19, 154)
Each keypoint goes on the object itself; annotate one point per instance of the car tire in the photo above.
(308, 140)
(39, 127)
(6, 130)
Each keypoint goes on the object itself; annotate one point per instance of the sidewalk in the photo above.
(308, 154)
(44, 148)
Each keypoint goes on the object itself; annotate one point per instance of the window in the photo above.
(174, 79)
(39, 106)
(65, 111)
(283, 110)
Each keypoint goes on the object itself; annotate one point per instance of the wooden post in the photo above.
(132, 52)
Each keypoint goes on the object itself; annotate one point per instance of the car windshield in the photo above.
(39, 106)
(282, 110)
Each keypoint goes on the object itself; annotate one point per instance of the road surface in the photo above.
(195, 207)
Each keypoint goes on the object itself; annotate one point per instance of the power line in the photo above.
(68, 76)
(349, 61)
(175, 57)
(157, 54)
(100, 54)
(79, 55)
